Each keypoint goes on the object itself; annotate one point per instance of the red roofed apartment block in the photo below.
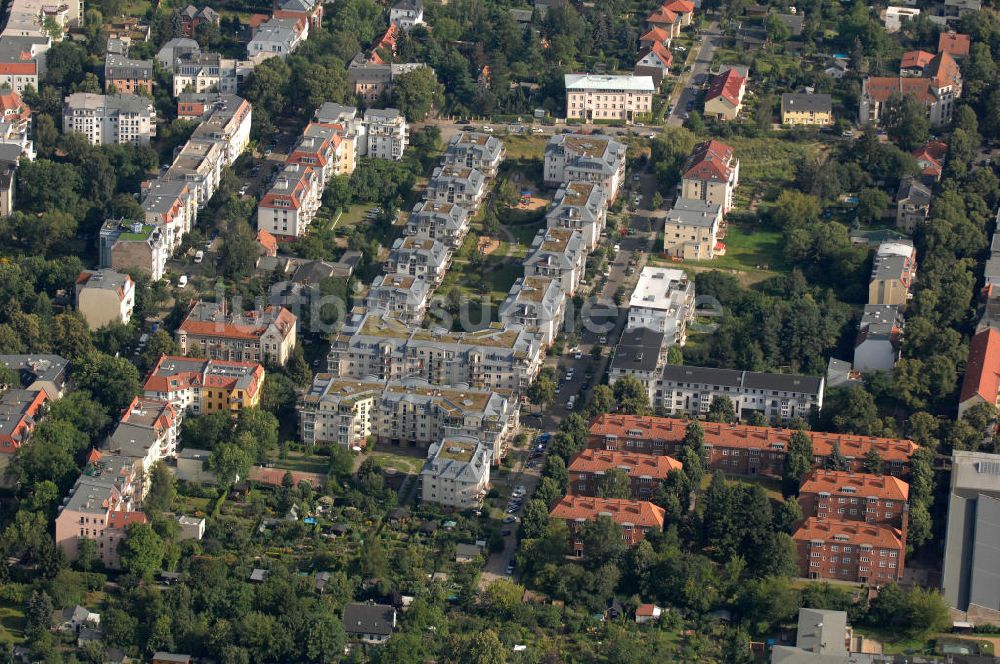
(982, 371)
(724, 98)
(937, 88)
(645, 471)
(850, 551)
(636, 517)
(711, 174)
(258, 335)
(878, 499)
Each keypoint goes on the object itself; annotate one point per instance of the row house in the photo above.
(495, 357)
(20, 411)
(225, 119)
(654, 61)
(582, 206)
(893, 272)
(655, 36)
(637, 518)
(456, 473)
(687, 390)
(585, 158)
(850, 551)
(100, 506)
(268, 334)
(147, 431)
(711, 174)
(133, 245)
(641, 353)
(321, 148)
(456, 184)
(171, 207)
(124, 74)
(202, 386)
(419, 257)
(104, 297)
(195, 71)
(276, 37)
(938, 88)
(483, 152)
(407, 412)
(740, 449)
(448, 223)
(290, 205)
(399, 296)
(348, 123)
(538, 304)
(645, 472)
(110, 119)
(849, 496)
(199, 163)
(559, 254)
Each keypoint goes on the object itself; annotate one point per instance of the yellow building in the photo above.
(205, 386)
(806, 109)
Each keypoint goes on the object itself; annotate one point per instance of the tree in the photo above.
(873, 462)
(162, 489)
(836, 460)
(794, 209)
(483, 647)
(787, 516)
(38, 612)
(239, 250)
(602, 542)
(86, 554)
(920, 525)
(602, 400)
(631, 396)
(542, 392)
(905, 120)
(535, 519)
(141, 551)
(615, 483)
(502, 596)
(693, 454)
(555, 467)
(417, 92)
(798, 461)
(871, 204)
(229, 462)
(776, 29)
(722, 410)
(113, 381)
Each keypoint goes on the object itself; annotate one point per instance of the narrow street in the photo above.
(689, 82)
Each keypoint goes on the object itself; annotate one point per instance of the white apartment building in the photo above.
(399, 296)
(276, 37)
(663, 301)
(538, 304)
(582, 206)
(110, 119)
(388, 133)
(406, 14)
(457, 184)
(585, 158)
(497, 357)
(482, 152)
(209, 72)
(600, 97)
(419, 257)
(448, 223)
(291, 203)
(147, 431)
(557, 253)
(457, 473)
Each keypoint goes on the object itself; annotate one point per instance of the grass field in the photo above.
(402, 463)
(302, 462)
(767, 164)
(748, 250)
(525, 147)
(11, 623)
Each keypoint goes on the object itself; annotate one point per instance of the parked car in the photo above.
(199, 256)
(183, 281)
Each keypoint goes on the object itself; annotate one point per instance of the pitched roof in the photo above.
(661, 52)
(749, 437)
(622, 511)
(267, 241)
(982, 372)
(636, 465)
(711, 160)
(729, 86)
(855, 532)
(369, 618)
(954, 43)
(662, 15)
(915, 60)
(881, 88)
(680, 6)
(942, 70)
(864, 485)
(655, 34)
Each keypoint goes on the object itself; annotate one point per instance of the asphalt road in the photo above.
(693, 79)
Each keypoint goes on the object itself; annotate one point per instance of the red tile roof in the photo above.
(915, 60)
(646, 610)
(680, 6)
(22, 68)
(729, 86)
(943, 71)
(623, 512)
(636, 465)
(655, 34)
(864, 485)
(954, 43)
(660, 51)
(881, 88)
(163, 379)
(749, 437)
(662, 16)
(931, 157)
(856, 532)
(11, 104)
(248, 325)
(711, 160)
(982, 371)
(268, 242)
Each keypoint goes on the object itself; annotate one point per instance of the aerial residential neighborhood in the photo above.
(406, 332)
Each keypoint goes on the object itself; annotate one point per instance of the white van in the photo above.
(571, 402)
(199, 256)
(183, 281)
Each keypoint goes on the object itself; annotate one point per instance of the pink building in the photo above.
(100, 506)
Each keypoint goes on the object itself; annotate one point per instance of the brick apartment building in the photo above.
(636, 517)
(739, 449)
(850, 551)
(645, 471)
(875, 499)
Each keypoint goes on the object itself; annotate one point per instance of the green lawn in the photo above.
(402, 463)
(767, 164)
(502, 276)
(525, 147)
(747, 248)
(11, 623)
(354, 215)
(525, 233)
(303, 463)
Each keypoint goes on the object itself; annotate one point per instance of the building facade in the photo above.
(205, 386)
(104, 297)
(592, 97)
(110, 119)
(850, 551)
(457, 473)
(253, 336)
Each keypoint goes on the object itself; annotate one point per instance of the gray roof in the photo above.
(331, 112)
(913, 191)
(822, 631)
(794, 22)
(313, 272)
(104, 279)
(584, 201)
(638, 350)
(694, 212)
(742, 379)
(121, 103)
(382, 114)
(467, 550)
(99, 483)
(451, 217)
(880, 320)
(469, 181)
(117, 66)
(483, 148)
(588, 152)
(388, 287)
(421, 250)
(522, 301)
(806, 102)
(369, 618)
(442, 465)
(194, 454)
(10, 153)
(38, 367)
